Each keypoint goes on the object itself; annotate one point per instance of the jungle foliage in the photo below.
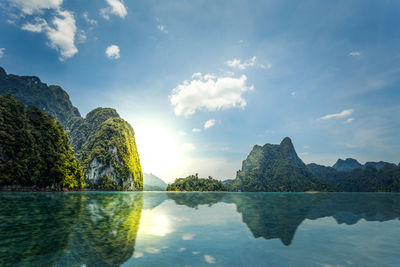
(35, 149)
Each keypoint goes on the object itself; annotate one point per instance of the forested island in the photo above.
(194, 183)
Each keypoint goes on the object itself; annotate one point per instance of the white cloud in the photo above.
(209, 259)
(354, 54)
(209, 124)
(293, 93)
(113, 52)
(210, 93)
(85, 16)
(181, 133)
(116, 7)
(196, 130)
(2, 52)
(188, 147)
(39, 25)
(61, 35)
(342, 114)
(236, 63)
(349, 120)
(187, 236)
(36, 6)
(162, 28)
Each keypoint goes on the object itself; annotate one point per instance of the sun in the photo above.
(160, 150)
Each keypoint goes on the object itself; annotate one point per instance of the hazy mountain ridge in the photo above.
(153, 183)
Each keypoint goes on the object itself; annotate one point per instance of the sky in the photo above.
(202, 82)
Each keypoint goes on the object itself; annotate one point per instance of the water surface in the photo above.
(199, 229)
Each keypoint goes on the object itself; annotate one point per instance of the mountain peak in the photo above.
(286, 142)
(348, 164)
(2, 72)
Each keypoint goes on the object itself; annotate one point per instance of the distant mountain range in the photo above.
(350, 164)
(277, 168)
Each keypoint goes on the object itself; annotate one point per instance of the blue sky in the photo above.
(325, 73)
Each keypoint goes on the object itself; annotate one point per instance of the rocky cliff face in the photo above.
(111, 159)
(276, 168)
(103, 143)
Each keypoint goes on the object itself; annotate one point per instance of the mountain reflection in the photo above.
(35, 228)
(271, 215)
(100, 229)
(279, 215)
(55, 229)
(106, 231)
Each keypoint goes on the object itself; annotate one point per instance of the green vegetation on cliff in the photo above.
(122, 170)
(276, 168)
(34, 149)
(111, 154)
(193, 183)
(83, 130)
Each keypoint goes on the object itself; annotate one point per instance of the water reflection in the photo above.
(194, 199)
(106, 232)
(101, 229)
(272, 215)
(35, 228)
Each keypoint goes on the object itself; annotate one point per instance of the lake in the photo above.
(199, 229)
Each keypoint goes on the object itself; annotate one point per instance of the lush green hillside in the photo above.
(82, 130)
(153, 183)
(193, 183)
(88, 136)
(35, 149)
(276, 168)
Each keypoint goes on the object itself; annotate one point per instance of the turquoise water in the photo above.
(199, 229)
